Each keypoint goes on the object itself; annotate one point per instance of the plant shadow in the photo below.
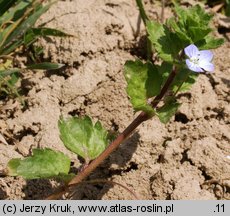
(38, 189)
(117, 163)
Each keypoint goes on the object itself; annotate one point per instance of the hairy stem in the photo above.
(114, 145)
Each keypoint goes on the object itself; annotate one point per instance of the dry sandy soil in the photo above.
(185, 159)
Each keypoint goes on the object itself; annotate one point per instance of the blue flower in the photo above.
(199, 61)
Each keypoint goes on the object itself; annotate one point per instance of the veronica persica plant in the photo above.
(182, 45)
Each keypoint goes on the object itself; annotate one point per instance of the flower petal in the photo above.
(206, 65)
(191, 51)
(193, 67)
(206, 54)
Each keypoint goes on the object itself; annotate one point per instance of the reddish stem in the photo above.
(121, 137)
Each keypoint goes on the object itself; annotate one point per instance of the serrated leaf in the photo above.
(45, 66)
(184, 80)
(168, 110)
(198, 33)
(82, 137)
(144, 82)
(193, 16)
(192, 24)
(181, 33)
(44, 163)
(164, 41)
(210, 42)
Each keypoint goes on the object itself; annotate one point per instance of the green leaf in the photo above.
(198, 33)
(82, 137)
(164, 69)
(10, 21)
(20, 27)
(44, 31)
(5, 5)
(227, 10)
(192, 24)
(7, 72)
(8, 80)
(15, 11)
(168, 110)
(144, 82)
(193, 16)
(17, 22)
(44, 163)
(45, 66)
(184, 80)
(180, 32)
(33, 33)
(14, 77)
(164, 41)
(153, 82)
(210, 42)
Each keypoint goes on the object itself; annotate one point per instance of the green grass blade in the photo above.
(33, 33)
(45, 66)
(4, 73)
(21, 29)
(50, 32)
(142, 11)
(12, 47)
(10, 20)
(15, 12)
(5, 5)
